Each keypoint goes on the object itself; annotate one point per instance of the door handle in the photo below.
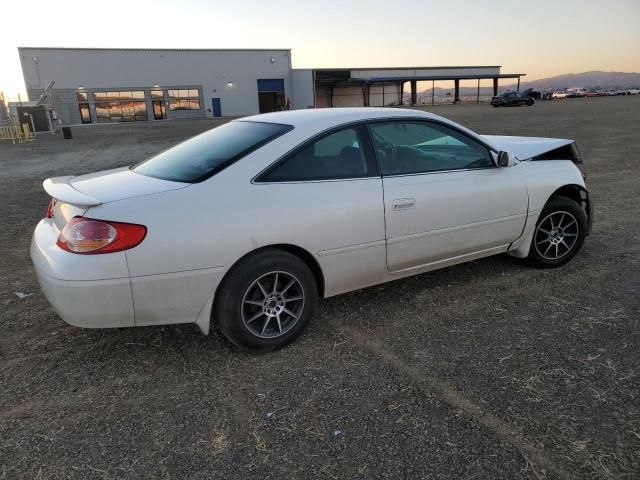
(404, 203)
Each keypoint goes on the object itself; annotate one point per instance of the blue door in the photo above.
(217, 107)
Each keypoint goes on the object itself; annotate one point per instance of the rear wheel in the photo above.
(266, 301)
(530, 102)
(559, 233)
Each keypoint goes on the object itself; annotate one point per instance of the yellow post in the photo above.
(27, 132)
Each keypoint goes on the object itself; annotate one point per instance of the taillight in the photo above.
(52, 204)
(90, 236)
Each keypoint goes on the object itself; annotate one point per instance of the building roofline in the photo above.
(162, 49)
(401, 68)
(439, 77)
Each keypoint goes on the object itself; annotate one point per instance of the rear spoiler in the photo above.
(61, 189)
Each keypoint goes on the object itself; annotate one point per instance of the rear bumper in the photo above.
(90, 291)
(96, 291)
(89, 304)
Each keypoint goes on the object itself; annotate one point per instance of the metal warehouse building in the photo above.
(116, 85)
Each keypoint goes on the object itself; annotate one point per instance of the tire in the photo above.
(559, 234)
(530, 102)
(253, 314)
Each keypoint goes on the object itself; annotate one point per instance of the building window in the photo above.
(83, 106)
(120, 106)
(157, 94)
(184, 99)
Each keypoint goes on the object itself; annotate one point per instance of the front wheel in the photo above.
(559, 233)
(266, 301)
(530, 102)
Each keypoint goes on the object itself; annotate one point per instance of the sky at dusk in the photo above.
(541, 38)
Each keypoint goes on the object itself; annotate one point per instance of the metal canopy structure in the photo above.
(367, 77)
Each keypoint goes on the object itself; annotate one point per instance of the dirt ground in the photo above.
(490, 369)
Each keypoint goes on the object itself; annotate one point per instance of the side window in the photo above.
(337, 155)
(420, 147)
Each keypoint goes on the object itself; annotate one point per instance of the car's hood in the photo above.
(106, 186)
(525, 147)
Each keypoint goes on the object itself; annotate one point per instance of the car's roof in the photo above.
(315, 120)
(336, 116)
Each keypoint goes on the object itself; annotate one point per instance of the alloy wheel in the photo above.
(273, 304)
(556, 235)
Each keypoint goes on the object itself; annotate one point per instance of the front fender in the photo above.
(544, 179)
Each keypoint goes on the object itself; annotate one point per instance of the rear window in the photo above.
(206, 154)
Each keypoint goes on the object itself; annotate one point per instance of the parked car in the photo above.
(246, 225)
(559, 94)
(633, 91)
(511, 98)
(593, 93)
(614, 92)
(576, 92)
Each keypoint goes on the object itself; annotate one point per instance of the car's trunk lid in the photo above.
(75, 195)
(120, 183)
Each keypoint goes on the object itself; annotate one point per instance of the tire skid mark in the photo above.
(534, 456)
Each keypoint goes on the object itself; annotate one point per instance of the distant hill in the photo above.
(594, 79)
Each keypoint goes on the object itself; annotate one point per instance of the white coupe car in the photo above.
(246, 225)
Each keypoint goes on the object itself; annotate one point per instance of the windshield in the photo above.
(206, 154)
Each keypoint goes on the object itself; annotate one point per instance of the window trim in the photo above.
(441, 124)
(362, 132)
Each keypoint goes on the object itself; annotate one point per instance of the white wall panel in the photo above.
(348, 96)
(322, 97)
(302, 89)
(383, 96)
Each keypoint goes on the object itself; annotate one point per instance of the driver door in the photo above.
(444, 196)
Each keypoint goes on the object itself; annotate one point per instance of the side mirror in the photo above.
(506, 159)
